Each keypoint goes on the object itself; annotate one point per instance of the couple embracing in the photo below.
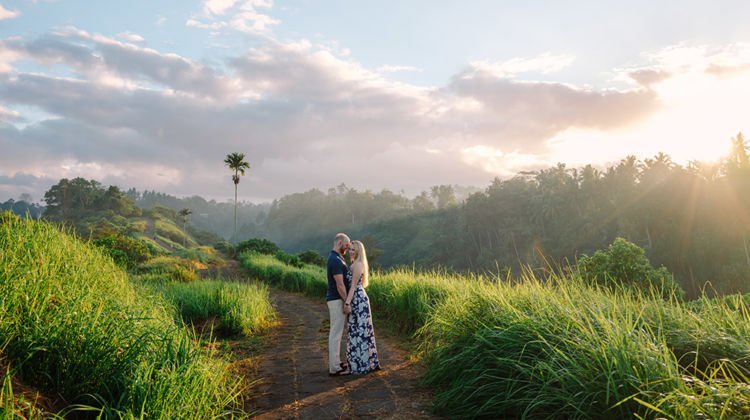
(348, 304)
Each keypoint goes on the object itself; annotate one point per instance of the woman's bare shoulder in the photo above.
(357, 264)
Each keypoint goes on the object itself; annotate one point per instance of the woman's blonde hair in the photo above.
(359, 248)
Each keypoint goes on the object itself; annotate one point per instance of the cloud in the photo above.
(130, 37)
(217, 7)
(526, 114)
(8, 14)
(102, 59)
(7, 115)
(243, 16)
(545, 63)
(396, 69)
(309, 116)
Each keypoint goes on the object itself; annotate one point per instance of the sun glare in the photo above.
(698, 115)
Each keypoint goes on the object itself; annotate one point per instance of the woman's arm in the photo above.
(356, 272)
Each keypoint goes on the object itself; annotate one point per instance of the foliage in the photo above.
(175, 234)
(312, 257)
(309, 279)
(127, 252)
(557, 347)
(208, 215)
(241, 308)
(22, 208)
(72, 325)
(73, 201)
(175, 268)
(263, 246)
(203, 254)
(690, 219)
(625, 263)
(225, 248)
(293, 260)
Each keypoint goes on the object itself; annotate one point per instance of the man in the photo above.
(335, 296)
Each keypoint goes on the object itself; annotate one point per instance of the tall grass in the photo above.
(310, 280)
(72, 325)
(563, 348)
(239, 307)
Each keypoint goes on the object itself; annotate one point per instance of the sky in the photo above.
(398, 95)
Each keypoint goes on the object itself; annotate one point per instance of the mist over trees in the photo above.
(693, 219)
(23, 206)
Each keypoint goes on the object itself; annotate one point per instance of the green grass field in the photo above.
(558, 347)
(75, 329)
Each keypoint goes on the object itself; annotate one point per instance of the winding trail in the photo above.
(294, 372)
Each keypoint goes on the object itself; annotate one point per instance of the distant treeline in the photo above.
(208, 215)
(23, 207)
(695, 220)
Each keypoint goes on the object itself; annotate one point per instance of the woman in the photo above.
(361, 352)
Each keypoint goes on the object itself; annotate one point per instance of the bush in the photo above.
(259, 245)
(225, 248)
(289, 259)
(126, 251)
(173, 268)
(312, 257)
(624, 263)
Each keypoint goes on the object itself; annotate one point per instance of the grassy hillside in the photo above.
(77, 331)
(558, 347)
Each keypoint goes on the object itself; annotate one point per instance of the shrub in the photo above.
(624, 263)
(289, 259)
(173, 268)
(259, 245)
(312, 257)
(126, 251)
(225, 248)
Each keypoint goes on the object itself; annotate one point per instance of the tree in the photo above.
(236, 162)
(444, 195)
(184, 213)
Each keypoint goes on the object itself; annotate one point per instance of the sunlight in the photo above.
(699, 114)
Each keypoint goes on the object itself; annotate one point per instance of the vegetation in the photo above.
(236, 162)
(259, 245)
(170, 267)
(72, 325)
(238, 308)
(692, 220)
(625, 264)
(312, 257)
(22, 207)
(561, 347)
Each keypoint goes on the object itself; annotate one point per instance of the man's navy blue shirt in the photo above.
(335, 265)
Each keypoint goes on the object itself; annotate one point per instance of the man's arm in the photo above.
(339, 279)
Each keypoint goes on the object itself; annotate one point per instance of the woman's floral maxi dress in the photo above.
(361, 351)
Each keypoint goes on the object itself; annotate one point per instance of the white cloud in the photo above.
(160, 21)
(240, 15)
(217, 7)
(545, 63)
(395, 69)
(130, 37)
(8, 14)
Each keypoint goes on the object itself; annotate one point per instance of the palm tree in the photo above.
(236, 162)
(184, 213)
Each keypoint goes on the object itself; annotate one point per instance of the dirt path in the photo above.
(294, 372)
